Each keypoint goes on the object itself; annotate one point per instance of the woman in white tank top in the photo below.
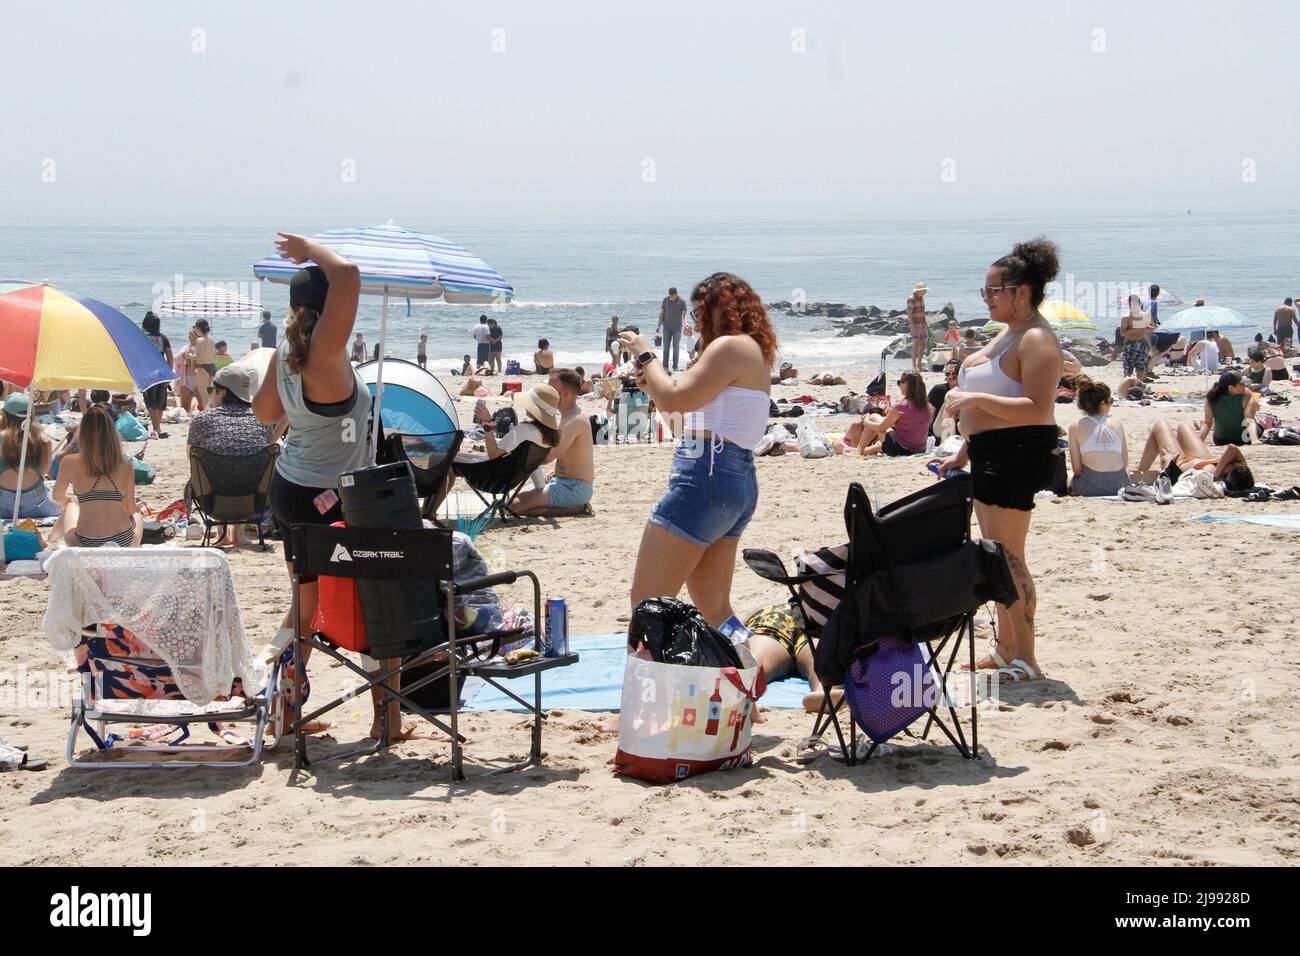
(1006, 403)
(718, 410)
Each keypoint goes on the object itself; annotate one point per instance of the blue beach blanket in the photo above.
(1275, 521)
(596, 682)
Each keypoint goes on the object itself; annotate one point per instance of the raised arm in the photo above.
(699, 384)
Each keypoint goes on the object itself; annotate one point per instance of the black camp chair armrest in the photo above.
(487, 581)
(768, 566)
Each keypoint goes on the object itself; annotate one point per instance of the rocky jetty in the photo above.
(850, 320)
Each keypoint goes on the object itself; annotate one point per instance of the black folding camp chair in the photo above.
(913, 574)
(391, 554)
(230, 489)
(497, 481)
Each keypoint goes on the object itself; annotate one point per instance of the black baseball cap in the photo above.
(308, 288)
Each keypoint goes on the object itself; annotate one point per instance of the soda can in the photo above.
(557, 628)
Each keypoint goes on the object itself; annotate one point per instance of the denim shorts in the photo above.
(568, 492)
(712, 493)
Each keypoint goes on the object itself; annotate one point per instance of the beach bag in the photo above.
(877, 386)
(17, 545)
(144, 472)
(680, 721)
(889, 687)
(812, 443)
(129, 427)
(514, 368)
(471, 386)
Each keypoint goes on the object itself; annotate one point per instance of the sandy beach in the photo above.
(1162, 734)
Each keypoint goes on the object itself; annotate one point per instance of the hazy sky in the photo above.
(361, 111)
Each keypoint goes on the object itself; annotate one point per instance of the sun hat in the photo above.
(17, 404)
(236, 379)
(542, 403)
(922, 288)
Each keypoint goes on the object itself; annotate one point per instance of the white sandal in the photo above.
(1018, 672)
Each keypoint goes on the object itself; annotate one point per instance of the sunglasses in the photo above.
(990, 291)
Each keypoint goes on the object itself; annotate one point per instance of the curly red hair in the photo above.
(725, 304)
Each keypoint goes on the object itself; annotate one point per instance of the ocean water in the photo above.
(570, 277)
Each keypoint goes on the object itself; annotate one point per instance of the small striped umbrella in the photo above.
(209, 302)
(51, 339)
(400, 262)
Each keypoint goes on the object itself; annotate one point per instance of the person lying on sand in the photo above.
(1173, 451)
(825, 378)
(783, 645)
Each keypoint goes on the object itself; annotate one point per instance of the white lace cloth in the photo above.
(179, 601)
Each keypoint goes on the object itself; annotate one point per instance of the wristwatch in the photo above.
(645, 358)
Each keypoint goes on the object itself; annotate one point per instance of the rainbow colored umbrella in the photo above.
(51, 339)
(1060, 316)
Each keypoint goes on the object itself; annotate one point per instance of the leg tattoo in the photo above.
(1026, 585)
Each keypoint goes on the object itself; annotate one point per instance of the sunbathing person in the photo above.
(825, 378)
(570, 485)
(1230, 409)
(1258, 372)
(900, 431)
(1098, 447)
(1173, 451)
(783, 645)
(97, 483)
(29, 487)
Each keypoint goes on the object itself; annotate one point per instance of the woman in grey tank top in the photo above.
(312, 385)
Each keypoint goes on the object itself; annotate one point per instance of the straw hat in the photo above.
(921, 288)
(542, 403)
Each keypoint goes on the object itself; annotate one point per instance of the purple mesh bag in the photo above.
(889, 687)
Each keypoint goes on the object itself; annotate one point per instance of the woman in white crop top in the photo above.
(1006, 406)
(718, 410)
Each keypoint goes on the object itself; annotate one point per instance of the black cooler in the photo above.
(402, 617)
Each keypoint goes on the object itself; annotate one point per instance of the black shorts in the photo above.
(293, 504)
(1010, 465)
(1165, 340)
(155, 397)
(891, 447)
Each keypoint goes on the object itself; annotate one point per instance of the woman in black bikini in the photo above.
(1006, 400)
(98, 484)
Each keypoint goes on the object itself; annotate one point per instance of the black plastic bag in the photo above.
(676, 633)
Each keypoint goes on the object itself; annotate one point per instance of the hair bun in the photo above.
(1039, 256)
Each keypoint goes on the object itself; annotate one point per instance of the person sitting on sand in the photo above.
(571, 484)
(900, 431)
(969, 345)
(1204, 353)
(29, 488)
(1226, 352)
(588, 386)
(786, 372)
(783, 645)
(543, 358)
(1258, 374)
(937, 395)
(223, 357)
(824, 378)
(467, 367)
(97, 485)
(1172, 451)
(1098, 447)
(1229, 411)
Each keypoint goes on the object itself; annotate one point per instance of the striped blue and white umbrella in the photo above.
(1202, 317)
(399, 262)
(212, 301)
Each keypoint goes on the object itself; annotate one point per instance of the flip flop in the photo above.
(11, 758)
(1018, 672)
(810, 749)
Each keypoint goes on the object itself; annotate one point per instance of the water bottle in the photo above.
(929, 444)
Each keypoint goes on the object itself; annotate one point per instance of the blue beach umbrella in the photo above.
(399, 262)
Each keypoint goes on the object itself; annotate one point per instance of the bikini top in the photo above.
(1102, 439)
(989, 379)
(38, 483)
(737, 415)
(95, 495)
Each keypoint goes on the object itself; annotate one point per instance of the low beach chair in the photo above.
(154, 637)
(230, 489)
(497, 481)
(421, 556)
(430, 457)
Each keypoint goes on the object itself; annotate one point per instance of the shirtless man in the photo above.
(575, 470)
(205, 359)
